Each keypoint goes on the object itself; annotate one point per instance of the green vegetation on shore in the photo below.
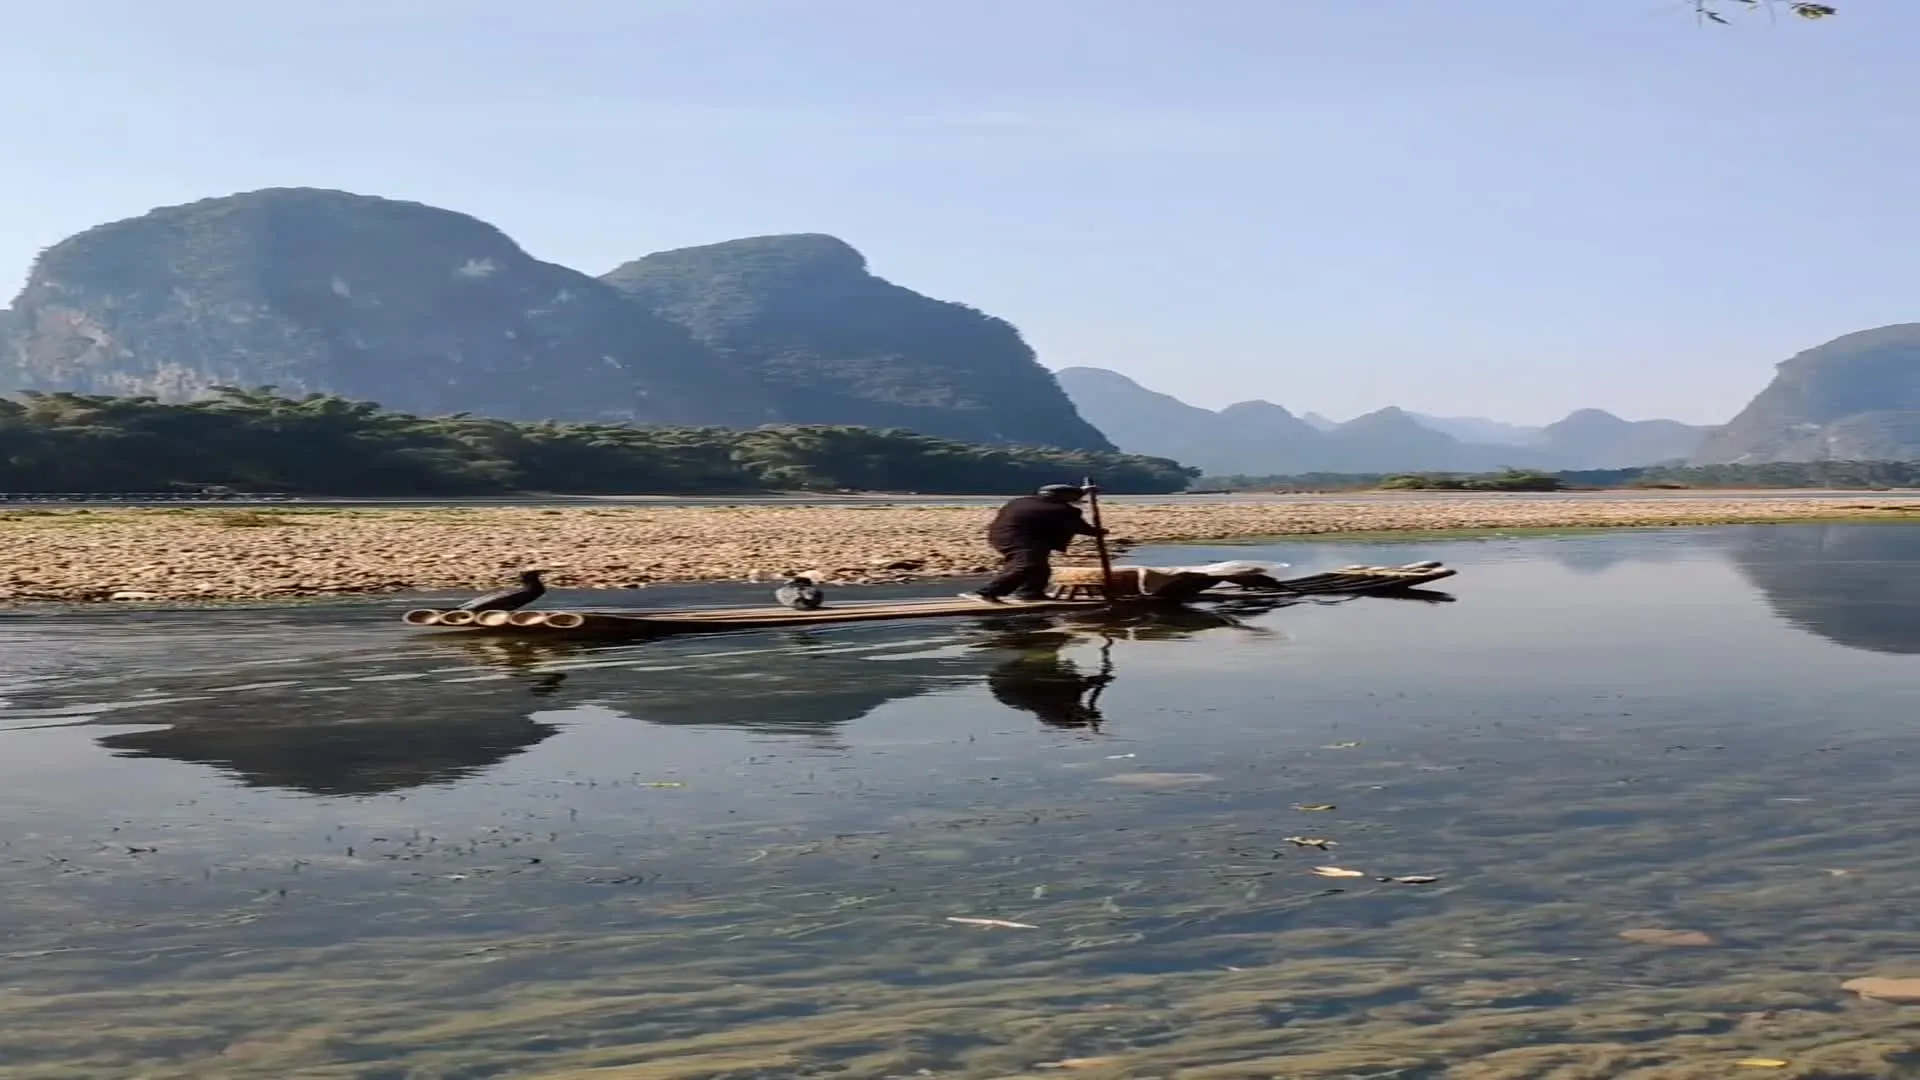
(1840, 475)
(257, 440)
(1505, 480)
(1823, 475)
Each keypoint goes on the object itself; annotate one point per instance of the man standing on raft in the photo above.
(1026, 532)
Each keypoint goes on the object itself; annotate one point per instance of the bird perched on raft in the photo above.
(801, 593)
(531, 588)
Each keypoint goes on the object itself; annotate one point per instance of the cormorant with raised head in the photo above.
(800, 593)
(531, 588)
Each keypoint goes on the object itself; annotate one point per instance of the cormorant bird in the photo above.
(800, 593)
(531, 589)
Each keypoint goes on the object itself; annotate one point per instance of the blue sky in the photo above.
(1506, 207)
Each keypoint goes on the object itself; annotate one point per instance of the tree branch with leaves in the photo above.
(1716, 10)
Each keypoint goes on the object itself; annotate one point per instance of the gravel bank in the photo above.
(225, 554)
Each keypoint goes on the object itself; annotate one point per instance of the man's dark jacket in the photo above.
(1031, 522)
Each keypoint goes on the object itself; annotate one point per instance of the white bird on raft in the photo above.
(801, 592)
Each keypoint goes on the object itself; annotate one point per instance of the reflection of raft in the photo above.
(1077, 592)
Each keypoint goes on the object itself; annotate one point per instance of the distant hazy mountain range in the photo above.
(1469, 429)
(1261, 438)
(1855, 398)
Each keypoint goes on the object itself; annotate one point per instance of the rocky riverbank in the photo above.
(228, 554)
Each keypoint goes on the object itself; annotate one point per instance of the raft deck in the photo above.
(670, 621)
(709, 620)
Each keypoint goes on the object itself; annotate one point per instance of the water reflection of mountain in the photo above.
(357, 721)
(1594, 555)
(814, 682)
(1855, 585)
(365, 758)
(791, 683)
(342, 725)
(455, 706)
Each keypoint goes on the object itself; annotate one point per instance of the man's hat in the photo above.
(1063, 489)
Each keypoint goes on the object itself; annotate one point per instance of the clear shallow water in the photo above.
(302, 842)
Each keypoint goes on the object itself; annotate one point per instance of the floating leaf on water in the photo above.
(1674, 938)
(969, 921)
(1159, 779)
(1313, 842)
(1762, 1063)
(1899, 991)
(663, 783)
(1336, 871)
(1313, 808)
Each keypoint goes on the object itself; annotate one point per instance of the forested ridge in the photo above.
(256, 439)
(1830, 475)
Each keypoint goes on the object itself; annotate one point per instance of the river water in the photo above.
(307, 842)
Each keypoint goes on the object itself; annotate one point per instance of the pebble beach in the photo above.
(226, 554)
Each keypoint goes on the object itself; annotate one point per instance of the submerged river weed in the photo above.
(1628, 806)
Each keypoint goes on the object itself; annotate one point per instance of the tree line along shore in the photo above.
(255, 440)
(222, 554)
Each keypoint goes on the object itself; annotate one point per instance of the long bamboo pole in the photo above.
(1100, 539)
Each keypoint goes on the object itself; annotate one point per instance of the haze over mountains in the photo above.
(1261, 438)
(1855, 398)
(434, 312)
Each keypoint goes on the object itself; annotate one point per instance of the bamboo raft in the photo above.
(1070, 594)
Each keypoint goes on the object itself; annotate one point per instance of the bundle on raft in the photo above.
(1182, 583)
(1075, 588)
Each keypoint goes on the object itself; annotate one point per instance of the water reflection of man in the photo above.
(1038, 680)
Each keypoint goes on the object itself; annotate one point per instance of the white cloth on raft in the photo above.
(1229, 569)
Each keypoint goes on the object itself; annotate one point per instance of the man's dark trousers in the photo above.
(1024, 573)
